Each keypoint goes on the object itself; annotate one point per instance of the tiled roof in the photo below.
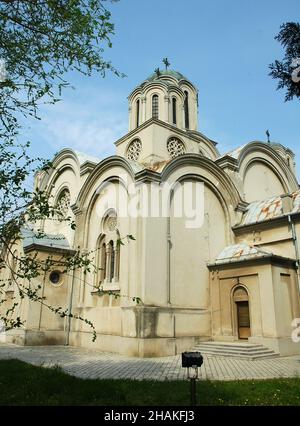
(46, 240)
(240, 252)
(263, 210)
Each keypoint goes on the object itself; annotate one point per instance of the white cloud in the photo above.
(90, 123)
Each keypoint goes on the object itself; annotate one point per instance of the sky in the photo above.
(223, 46)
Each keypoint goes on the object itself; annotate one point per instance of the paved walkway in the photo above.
(89, 363)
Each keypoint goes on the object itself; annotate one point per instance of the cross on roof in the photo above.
(157, 71)
(166, 62)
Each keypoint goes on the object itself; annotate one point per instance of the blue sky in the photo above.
(222, 46)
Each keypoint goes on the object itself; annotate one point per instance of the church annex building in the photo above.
(235, 278)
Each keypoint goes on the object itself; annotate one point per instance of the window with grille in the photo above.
(155, 106)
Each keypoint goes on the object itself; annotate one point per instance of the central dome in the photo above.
(165, 95)
(167, 73)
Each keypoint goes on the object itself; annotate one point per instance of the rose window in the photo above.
(134, 150)
(175, 148)
(63, 204)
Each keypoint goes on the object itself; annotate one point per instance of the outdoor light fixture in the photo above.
(192, 361)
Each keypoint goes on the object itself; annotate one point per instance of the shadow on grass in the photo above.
(24, 384)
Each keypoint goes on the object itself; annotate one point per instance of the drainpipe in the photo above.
(168, 262)
(295, 242)
(70, 310)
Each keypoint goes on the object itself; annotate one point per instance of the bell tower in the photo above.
(163, 121)
(167, 96)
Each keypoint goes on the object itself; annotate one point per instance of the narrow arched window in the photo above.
(155, 106)
(112, 260)
(186, 110)
(174, 106)
(137, 113)
(103, 262)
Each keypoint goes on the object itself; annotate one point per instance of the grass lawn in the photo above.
(24, 384)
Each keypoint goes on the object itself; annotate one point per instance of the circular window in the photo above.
(63, 203)
(55, 277)
(134, 150)
(175, 147)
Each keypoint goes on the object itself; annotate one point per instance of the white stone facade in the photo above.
(194, 283)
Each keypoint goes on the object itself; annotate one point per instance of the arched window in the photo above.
(108, 260)
(155, 106)
(174, 107)
(103, 262)
(112, 261)
(186, 110)
(137, 113)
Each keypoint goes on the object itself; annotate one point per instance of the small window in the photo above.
(137, 113)
(155, 106)
(55, 277)
(174, 106)
(186, 110)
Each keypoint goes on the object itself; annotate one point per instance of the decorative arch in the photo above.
(277, 186)
(265, 152)
(104, 166)
(224, 183)
(91, 205)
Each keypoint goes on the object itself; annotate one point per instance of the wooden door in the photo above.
(243, 320)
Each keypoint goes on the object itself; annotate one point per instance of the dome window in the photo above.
(134, 150)
(175, 147)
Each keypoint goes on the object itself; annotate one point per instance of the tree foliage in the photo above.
(40, 41)
(287, 71)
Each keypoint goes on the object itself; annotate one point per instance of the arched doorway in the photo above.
(242, 314)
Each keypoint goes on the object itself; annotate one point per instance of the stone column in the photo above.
(107, 272)
(167, 102)
(117, 262)
(143, 109)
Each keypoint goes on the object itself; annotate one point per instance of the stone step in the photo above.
(237, 350)
(232, 346)
(240, 356)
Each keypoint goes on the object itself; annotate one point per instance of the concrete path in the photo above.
(93, 364)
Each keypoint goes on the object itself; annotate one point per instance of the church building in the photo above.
(232, 276)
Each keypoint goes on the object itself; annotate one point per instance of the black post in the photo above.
(193, 392)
